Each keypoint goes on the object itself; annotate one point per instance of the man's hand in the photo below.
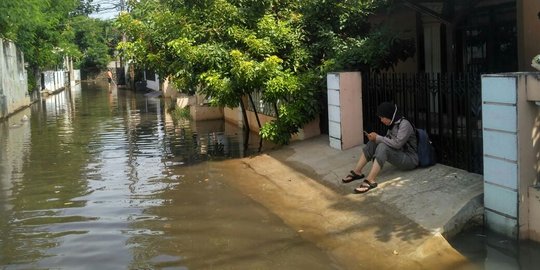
(372, 136)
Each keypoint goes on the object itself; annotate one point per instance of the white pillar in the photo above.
(345, 125)
(511, 135)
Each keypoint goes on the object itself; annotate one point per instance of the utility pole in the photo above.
(124, 39)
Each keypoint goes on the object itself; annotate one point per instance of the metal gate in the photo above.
(448, 106)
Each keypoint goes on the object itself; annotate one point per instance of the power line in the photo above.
(107, 6)
(107, 9)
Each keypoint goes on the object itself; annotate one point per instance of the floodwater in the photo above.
(488, 250)
(99, 180)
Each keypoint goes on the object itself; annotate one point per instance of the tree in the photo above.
(343, 38)
(37, 27)
(96, 40)
(229, 49)
(47, 30)
(226, 50)
(85, 8)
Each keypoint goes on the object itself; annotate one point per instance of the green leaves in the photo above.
(47, 30)
(282, 49)
(344, 39)
(92, 37)
(220, 88)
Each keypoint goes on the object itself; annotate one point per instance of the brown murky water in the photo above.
(110, 181)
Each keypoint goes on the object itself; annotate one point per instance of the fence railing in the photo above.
(261, 106)
(448, 106)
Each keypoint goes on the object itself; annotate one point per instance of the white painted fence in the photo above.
(53, 80)
(77, 75)
(152, 84)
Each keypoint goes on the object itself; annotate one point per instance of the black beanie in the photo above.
(386, 109)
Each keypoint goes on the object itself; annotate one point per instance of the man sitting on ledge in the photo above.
(398, 147)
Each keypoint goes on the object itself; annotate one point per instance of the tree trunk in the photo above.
(244, 115)
(246, 139)
(37, 77)
(255, 110)
(276, 110)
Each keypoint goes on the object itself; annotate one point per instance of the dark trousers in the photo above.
(382, 153)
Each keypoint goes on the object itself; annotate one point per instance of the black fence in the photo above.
(448, 106)
(262, 107)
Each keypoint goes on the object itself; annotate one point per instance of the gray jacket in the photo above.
(401, 136)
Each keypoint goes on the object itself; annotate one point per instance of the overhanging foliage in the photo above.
(229, 49)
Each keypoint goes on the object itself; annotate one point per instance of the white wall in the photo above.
(511, 132)
(77, 75)
(13, 79)
(154, 85)
(53, 80)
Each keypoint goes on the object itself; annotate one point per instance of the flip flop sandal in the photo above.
(366, 185)
(351, 177)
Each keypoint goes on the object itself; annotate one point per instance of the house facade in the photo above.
(463, 36)
(495, 39)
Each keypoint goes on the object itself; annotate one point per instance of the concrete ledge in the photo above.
(204, 112)
(440, 198)
(399, 221)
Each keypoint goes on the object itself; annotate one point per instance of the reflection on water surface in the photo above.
(110, 181)
(488, 250)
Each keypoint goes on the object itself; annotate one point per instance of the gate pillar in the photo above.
(345, 125)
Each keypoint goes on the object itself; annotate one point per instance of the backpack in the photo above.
(425, 150)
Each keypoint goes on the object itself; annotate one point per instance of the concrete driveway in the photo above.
(399, 225)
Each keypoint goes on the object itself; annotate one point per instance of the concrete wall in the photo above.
(53, 80)
(234, 116)
(169, 90)
(511, 134)
(77, 75)
(528, 120)
(13, 79)
(204, 112)
(201, 111)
